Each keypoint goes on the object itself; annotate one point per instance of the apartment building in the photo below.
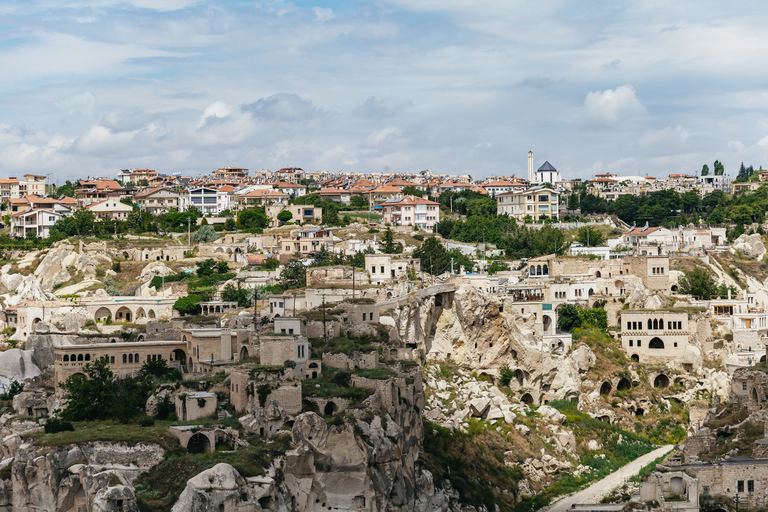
(37, 220)
(204, 199)
(411, 211)
(110, 208)
(538, 203)
(157, 200)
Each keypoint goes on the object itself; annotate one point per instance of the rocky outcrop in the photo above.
(220, 486)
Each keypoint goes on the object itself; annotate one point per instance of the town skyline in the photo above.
(186, 87)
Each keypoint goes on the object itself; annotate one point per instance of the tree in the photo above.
(388, 244)
(690, 201)
(189, 305)
(270, 263)
(229, 225)
(698, 283)
(205, 267)
(68, 189)
(243, 296)
(358, 260)
(252, 219)
(92, 398)
(705, 170)
(322, 258)
(410, 190)
(205, 234)
(358, 202)
(497, 266)
(590, 236)
(222, 267)
(568, 317)
(718, 167)
(436, 260)
(284, 216)
(294, 275)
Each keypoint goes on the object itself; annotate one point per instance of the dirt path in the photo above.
(595, 492)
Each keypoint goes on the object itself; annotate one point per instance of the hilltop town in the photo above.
(312, 341)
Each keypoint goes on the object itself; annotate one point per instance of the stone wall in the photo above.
(364, 360)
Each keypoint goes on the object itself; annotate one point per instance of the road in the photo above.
(595, 492)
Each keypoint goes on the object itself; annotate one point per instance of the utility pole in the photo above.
(353, 281)
(256, 318)
(189, 232)
(325, 335)
(451, 265)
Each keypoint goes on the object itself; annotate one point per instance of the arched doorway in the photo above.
(605, 388)
(623, 384)
(547, 323)
(102, 314)
(661, 381)
(754, 394)
(244, 353)
(199, 443)
(123, 314)
(639, 411)
(140, 313)
(330, 408)
(151, 313)
(635, 358)
(527, 399)
(520, 376)
(78, 375)
(179, 356)
(598, 274)
(656, 343)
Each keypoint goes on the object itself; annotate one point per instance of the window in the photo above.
(750, 486)
(382, 269)
(639, 343)
(743, 386)
(630, 343)
(740, 486)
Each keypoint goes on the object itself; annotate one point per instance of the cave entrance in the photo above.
(661, 381)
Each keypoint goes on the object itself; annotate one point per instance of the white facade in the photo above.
(203, 198)
(37, 220)
(536, 202)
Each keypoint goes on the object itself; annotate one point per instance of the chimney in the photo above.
(530, 167)
(226, 344)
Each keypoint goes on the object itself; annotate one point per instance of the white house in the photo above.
(204, 199)
(37, 220)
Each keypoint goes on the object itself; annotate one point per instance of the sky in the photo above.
(455, 86)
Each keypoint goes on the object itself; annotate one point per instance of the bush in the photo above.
(507, 374)
(205, 234)
(116, 267)
(146, 421)
(165, 410)
(53, 426)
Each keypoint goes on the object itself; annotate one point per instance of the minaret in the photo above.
(530, 167)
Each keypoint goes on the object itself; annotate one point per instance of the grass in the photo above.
(109, 432)
(159, 488)
(473, 462)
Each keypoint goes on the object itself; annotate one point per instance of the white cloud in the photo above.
(610, 107)
(671, 135)
(323, 14)
(78, 104)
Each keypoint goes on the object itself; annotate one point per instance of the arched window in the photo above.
(130, 358)
(125, 358)
(66, 358)
(136, 358)
(87, 357)
(656, 343)
(79, 357)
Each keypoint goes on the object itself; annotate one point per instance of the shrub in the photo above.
(108, 281)
(54, 425)
(165, 410)
(116, 267)
(146, 421)
(507, 374)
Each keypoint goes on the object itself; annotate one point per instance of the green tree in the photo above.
(705, 170)
(410, 190)
(229, 225)
(358, 202)
(222, 267)
(568, 317)
(690, 201)
(358, 259)
(497, 266)
(270, 263)
(253, 219)
(92, 398)
(590, 236)
(294, 275)
(243, 296)
(719, 168)
(698, 283)
(68, 189)
(205, 234)
(189, 305)
(322, 258)
(388, 244)
(284, 216)
(205, 267)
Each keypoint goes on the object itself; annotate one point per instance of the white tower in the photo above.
(530, 167)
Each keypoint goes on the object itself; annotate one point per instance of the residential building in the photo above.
(383, 267)
(9, 189)
(204, 199)
(411, 211)
(110, 208)
(230, 173)
(32, 184)
(96, 190)
(261, 197)
(337, 195)
(225, 198)
(309, 241)
(292, 189)
(654, 335)
(37, 220)
(157, 200)
(301, 213)
(538, 203)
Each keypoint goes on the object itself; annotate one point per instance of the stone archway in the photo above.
(635, 358)
(199, 443)
(547, 324)
(179, 356)
(656, 343)
(244, 353)
(123, 314)
(151, 313)
(605, 388)
(526, 398)
(140, 313)
(330, 409)
(661, 381)
(102, 314)
(623, 384)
